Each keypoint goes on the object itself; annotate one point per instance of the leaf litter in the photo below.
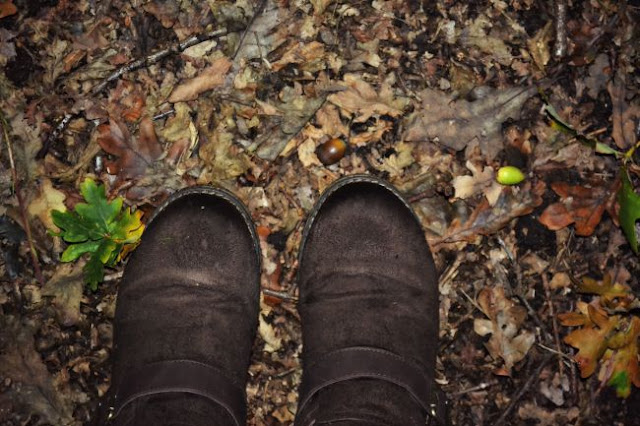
(435, 97)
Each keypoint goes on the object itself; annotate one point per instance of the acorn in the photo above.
(331, 151)
(510, 175)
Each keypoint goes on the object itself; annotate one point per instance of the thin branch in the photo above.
(279, 295)
(157, 57)
(554, 322)
(560, 23)
(23, 211)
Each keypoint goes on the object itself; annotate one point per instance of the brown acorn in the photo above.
(331, 151)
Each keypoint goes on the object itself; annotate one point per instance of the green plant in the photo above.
(99, 227)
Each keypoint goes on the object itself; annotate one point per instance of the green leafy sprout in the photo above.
(99, 227)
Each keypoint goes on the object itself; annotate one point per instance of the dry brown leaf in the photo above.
(624, 116)
(309, 55)
(66, 286)
(476, 35)
(507, 342)
(455, 123)
(134, 154)
(582, 205)
(209, 78)
(363, 101)
(485, 220)
(48, 199)
(482, 180)
(31, 388)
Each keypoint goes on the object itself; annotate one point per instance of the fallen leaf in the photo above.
(486, 219)
(475, 35)
(455, 123)
(309, 55)
(539, 46)
(363, 101)
(629, 212)
(297, 109)
(615, 296)
(624, 361)
(7, 8)
(582, 205)
(48, 199)
(591, 342)
(624, 116)
(134, 154)
(507, 342)
(65, 286)
(209, 78)
(481, 181)
(30, 385)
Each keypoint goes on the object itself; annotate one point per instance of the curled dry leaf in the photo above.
(507, 342)
(134, 154)
(582, 205)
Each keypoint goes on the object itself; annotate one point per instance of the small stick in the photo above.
(157, 57)
(560, 46)
(53, 136)
(280, 295)
(530, 382)
(481, 386)
(554, 322)
(23, 213)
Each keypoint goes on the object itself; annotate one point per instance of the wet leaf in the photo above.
(99, 227)
(629, 212)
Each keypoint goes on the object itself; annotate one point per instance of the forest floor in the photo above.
(150, 96)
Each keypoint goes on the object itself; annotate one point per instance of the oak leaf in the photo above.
(134, 154)
(582, 205)
(505, 319)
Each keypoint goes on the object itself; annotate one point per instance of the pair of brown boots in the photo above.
(188, 307)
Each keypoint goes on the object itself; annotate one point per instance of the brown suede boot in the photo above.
(369, 309)
(186, 315)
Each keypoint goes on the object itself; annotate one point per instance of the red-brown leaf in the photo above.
(134, 154)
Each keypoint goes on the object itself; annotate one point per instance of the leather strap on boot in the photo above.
(180, 376)
(373, 363)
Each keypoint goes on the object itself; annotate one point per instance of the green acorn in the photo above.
(510, 175)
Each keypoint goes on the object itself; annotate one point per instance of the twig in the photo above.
(157, 57)
(257, 13)
(280, 295)
(530, 382)
(560, 46)
(53, 136)
(481, 386)
(554, 322)
(23, 213)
